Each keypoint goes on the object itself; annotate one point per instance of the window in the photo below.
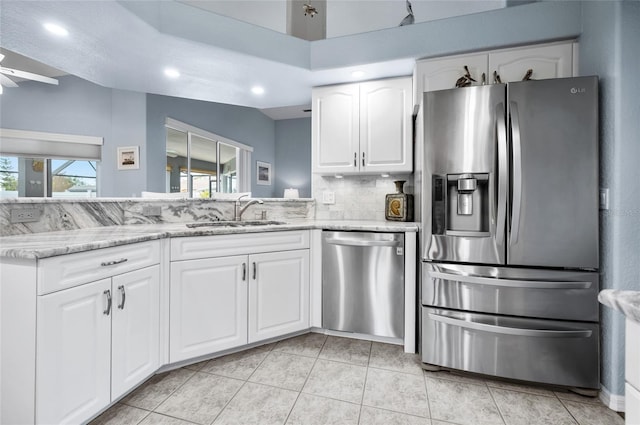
(201, 163)
(35, 164)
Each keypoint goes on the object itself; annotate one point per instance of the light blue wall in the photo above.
(293, 156)
(245, 125)
(77, 106)
(609, 48)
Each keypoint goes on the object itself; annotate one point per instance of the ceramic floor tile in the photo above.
(373, 416)
(393, 357)
(346, 350)
(456, 376)
(312, 410)
(462, 403)
(571, 396)
(120, 414)
(201, 398)
(337, 380)
(157, 389)
(593, 414)
(283, 370)
(238, 365)
(520, 408)
(258, 404)
(512, 386)
(157, 419)
(305, 345)
(400, 392)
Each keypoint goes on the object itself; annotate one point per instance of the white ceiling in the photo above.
(127, 45)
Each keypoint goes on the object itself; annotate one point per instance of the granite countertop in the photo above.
(50, 244)
(626, 302)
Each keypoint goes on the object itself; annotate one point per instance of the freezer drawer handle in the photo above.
(537, 333)
(513, 283)
(356, 242)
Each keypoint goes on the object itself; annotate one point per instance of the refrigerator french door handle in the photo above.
(517, 172)
(540, 333)
(512, 283)
(501, 131)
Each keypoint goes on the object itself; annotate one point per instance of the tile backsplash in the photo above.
(356, 197)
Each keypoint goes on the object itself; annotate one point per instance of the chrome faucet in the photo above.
(238, 211)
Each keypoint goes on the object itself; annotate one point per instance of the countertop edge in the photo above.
(626, 302)
(62, 242)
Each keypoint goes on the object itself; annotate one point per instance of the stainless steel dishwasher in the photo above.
(363, 282)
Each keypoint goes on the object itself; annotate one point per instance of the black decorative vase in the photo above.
(399, 205)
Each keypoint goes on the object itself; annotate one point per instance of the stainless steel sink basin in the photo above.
(231, 223)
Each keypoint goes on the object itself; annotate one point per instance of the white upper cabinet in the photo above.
(545, 61)
(363, 128)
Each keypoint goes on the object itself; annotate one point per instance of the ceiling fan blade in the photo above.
(7, 82)
(28, 75)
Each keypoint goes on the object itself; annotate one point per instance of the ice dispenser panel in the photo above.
(467, 204)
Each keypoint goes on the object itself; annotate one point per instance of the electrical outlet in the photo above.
(328, 197)
(151, 210)
(25, 215)
(604, 199)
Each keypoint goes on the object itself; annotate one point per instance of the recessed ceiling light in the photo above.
(56, 29)
(257, 90)
(357, 74)
(171, 72)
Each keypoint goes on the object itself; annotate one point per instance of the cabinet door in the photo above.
(278, 294)
(551, 61)
(440, 74)
(208, 311)
(386, 143)
(135, 346)
(73, 353)
(335, 129)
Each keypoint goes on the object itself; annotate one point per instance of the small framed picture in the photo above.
(263, 173)
(129, 158)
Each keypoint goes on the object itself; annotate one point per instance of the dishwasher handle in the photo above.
(361, 242)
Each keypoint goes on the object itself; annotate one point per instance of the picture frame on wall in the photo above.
(263, 173)
(128, 157)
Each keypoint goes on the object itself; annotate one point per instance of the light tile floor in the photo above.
(314, 379)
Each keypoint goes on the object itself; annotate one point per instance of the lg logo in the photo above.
(578, 90)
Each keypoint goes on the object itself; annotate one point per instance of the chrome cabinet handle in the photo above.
(355, 159)
(244, 271)
(363, 159)
(123, 297)
(544, 333)
(356, 242)
(255, 270)
(517, 173)
(512, 283)
(501, 131)
(112, 263)
(108, 309)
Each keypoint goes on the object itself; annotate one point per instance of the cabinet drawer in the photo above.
(191, 248)
(632, 404)
(66, 271)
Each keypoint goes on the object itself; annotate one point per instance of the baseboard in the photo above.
(612, 401)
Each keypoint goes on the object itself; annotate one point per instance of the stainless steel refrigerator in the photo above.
(508, 186)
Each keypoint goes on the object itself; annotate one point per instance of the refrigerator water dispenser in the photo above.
(468, 204)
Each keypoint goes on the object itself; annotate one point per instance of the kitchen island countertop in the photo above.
(626, 302)
(50, 244)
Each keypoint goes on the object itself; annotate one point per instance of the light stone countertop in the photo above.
(50, 244)
(626, 302)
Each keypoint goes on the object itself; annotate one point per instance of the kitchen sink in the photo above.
(232, 223)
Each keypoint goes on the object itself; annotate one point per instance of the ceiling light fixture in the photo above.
(357, 74)
(56, 29)
(257, 90)
(171, 72)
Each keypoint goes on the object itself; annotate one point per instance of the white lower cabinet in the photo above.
(278, 294)
(224, 302)
(95, 342)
